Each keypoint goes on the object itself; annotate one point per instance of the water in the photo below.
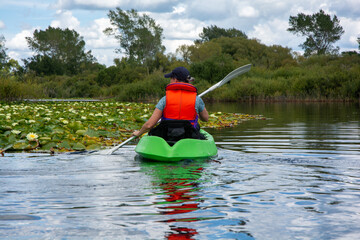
(294, 176)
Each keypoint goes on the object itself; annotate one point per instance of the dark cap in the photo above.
(180, 73)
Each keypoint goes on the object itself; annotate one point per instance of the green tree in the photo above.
(213, 69)
(184, 52)
(63, 49)
(204, 51)
(3, 55)
(321, 32)
(139, 36)
(213, 31)
(358, 40)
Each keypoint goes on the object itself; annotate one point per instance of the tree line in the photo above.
(62, 68)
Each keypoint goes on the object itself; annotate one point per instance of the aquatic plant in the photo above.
(76, 126)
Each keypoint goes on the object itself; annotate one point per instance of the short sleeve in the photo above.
(161, 104)
(199, 105)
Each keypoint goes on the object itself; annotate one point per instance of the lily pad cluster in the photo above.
(76, 126)
(223, 120)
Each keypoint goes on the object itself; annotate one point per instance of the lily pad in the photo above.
(76, 125)
(91, 133)
(64, 144)
(80, 132)
(79, 146)
(48, 146)
(93, 147)
(20, 145)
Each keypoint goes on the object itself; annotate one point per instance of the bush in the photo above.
(11, 90)
(152, 87)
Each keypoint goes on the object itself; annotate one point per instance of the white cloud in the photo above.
(105, 56)
(182, 29)
(19, 55)
(2, 24)
(18, 48)
(274, 33)
(65, 19)
(96, 4)
(178, 28)
(94, 36)
(71, 4)
(247, 11)
(18, 42)
(172, 45)
(179, 9)
(352, 32)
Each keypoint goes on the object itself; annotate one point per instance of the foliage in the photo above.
(213, 69)
(277, 74)
(123, 73)
(11, 90)
(251, 50)
(323, 78)
(45, 65)
(139, 35)
(184, 52)
(58, 52)
(320, 29)
(71, 126)
(3, 55)
(212, 32)
(152, 87)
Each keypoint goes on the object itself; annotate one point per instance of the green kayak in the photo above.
(156, 148)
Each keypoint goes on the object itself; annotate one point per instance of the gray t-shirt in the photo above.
(199, 104)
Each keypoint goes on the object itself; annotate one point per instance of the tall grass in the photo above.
(316, 78)
(151, 88)
(11, 90)
(319, 78)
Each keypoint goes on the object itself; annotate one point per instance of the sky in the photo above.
(182, 21)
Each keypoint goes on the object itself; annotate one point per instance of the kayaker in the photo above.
(180, 103)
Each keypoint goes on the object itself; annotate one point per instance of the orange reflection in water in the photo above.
(180, 198)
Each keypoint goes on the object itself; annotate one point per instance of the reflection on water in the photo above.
(293, 176)
(327, 130)
(179, 184)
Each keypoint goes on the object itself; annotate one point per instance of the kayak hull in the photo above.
(156, 148)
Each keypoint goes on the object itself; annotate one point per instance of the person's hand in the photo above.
(136, 133)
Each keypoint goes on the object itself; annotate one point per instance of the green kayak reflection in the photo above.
(179, 184)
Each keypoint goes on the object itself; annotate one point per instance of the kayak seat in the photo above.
(174, 130)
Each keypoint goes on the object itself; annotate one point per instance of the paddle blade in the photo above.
(227, 78)
(119, 146)
(235, 73)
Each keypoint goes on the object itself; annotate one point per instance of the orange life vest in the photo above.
(180, 102)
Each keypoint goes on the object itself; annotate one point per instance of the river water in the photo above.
(295, 175)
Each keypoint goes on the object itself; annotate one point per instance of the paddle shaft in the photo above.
(226, 79)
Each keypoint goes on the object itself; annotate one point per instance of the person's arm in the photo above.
(204, 115)
(155, 117)
(201, 109)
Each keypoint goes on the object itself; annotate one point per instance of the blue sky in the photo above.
(182, 21)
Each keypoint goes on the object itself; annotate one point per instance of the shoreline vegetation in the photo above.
(277, 74)
(63, 126)
(336, 79)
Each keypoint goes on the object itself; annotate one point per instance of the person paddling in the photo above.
(180, 103)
